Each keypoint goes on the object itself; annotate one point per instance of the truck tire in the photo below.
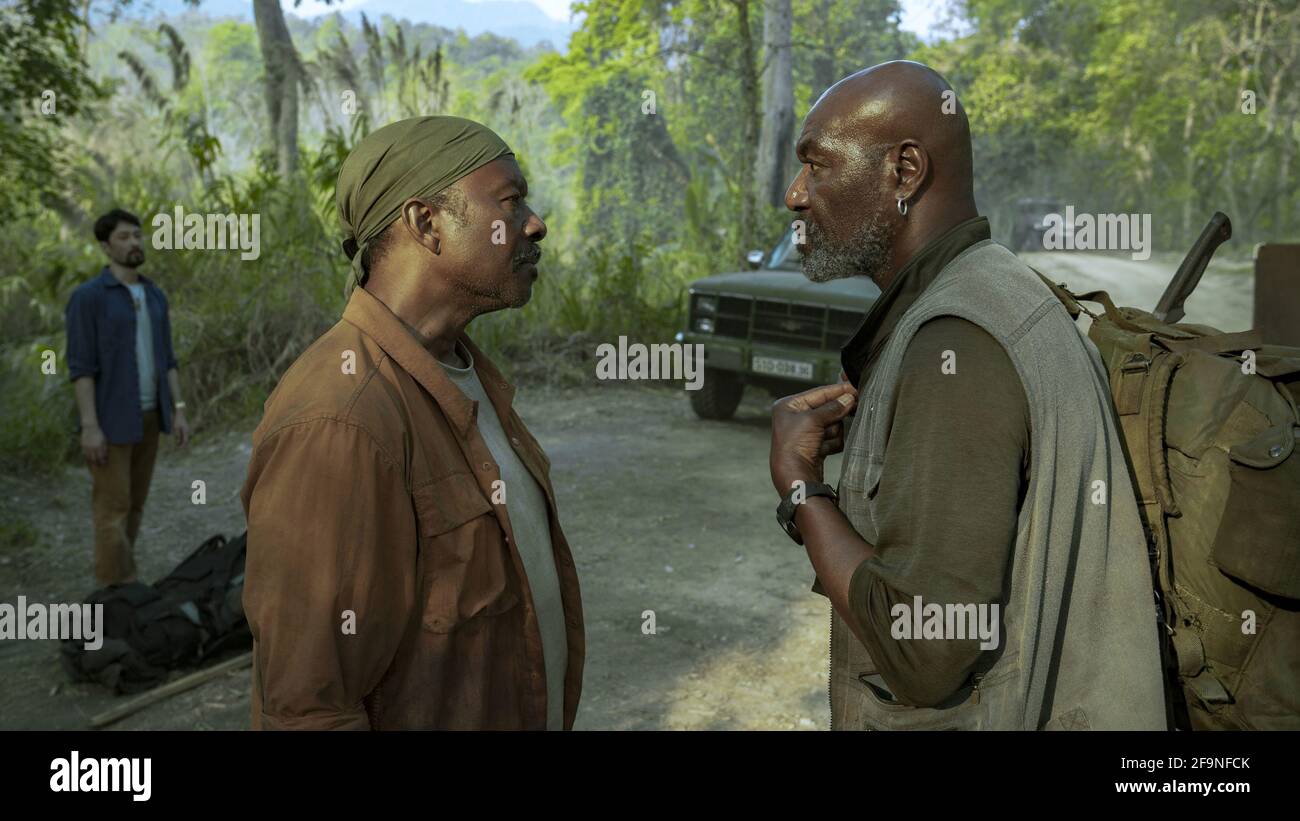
(719, 396)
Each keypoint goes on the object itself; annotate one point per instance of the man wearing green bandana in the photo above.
(406, 567)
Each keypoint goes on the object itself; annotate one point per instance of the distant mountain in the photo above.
(213, 8)
(519, 19)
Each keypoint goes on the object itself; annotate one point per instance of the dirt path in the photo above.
(664, 512)
(35, 692)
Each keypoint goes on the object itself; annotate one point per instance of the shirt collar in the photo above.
(860, 352)
(373, 318)
(107, 279)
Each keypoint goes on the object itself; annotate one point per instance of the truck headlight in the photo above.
(704, 325)
(706, 305)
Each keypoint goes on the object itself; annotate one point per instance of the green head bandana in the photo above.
(410, 158)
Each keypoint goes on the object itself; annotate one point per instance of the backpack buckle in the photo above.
(1133, 373)
(1136, 361)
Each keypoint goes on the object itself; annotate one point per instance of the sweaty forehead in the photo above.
(834, 126)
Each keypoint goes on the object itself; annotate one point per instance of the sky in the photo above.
(922, 16)
(554, 9)
(919, 16)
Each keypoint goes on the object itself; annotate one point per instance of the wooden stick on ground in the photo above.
(170, 689)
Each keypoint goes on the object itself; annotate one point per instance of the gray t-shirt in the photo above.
(144, 348)
(526, 507)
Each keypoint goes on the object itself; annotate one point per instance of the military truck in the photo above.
(770, 327)
(1029, 225)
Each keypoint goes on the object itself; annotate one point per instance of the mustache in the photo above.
(530, 256)
(811, 232)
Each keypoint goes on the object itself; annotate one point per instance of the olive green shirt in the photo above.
(953, 479)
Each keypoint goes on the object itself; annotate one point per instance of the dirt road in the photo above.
(1224, 298)
(665, 513)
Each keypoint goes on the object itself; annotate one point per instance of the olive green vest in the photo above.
(1078, 647)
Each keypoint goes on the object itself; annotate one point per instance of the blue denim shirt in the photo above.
(100, 320)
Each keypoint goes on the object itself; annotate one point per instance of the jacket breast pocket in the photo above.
(465, 568)
(860, 474)
(112, 336)
(863, 460)
(115, 327)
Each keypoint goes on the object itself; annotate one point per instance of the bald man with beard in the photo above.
(984, 497)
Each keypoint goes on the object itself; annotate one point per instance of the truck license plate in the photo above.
(782, 367)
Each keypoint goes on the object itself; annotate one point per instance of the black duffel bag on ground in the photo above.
(192, 614)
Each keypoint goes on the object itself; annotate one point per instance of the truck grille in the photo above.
(783, 323)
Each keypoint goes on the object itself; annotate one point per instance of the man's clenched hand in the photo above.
(94, 445)
(806, 428)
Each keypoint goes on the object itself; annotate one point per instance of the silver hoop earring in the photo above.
(902, 206)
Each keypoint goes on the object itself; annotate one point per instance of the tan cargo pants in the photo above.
(119, 488)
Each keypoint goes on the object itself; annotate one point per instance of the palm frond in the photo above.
(147, 83)
(178, 54)
(374, 51)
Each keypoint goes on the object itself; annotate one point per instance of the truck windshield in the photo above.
(784, 257)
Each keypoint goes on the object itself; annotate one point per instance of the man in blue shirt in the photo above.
(119, 349)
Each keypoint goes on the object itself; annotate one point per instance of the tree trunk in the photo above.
(772, 169)
(750, 92)
(85, 28)
(280, 62)
(823, 62)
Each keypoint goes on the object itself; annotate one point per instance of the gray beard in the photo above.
(866, 254)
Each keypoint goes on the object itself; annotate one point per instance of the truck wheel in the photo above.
(719, 396)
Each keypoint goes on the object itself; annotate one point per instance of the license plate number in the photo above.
(782, 367)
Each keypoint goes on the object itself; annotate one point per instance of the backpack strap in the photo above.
(1217, 343)
(1074, 304)
(1060, 292)
(1162, 376)
(1112, 313)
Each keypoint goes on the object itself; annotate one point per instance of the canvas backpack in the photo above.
(1210, 424)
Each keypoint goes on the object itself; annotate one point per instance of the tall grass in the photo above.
(237, 325)
(588, 296)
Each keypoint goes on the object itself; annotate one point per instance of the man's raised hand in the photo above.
(806, 428)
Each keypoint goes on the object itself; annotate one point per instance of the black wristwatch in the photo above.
(785, 510)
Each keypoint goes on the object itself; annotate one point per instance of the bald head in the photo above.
(893, 103)
(887, 139)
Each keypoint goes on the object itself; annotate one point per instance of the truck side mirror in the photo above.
(755, 259)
